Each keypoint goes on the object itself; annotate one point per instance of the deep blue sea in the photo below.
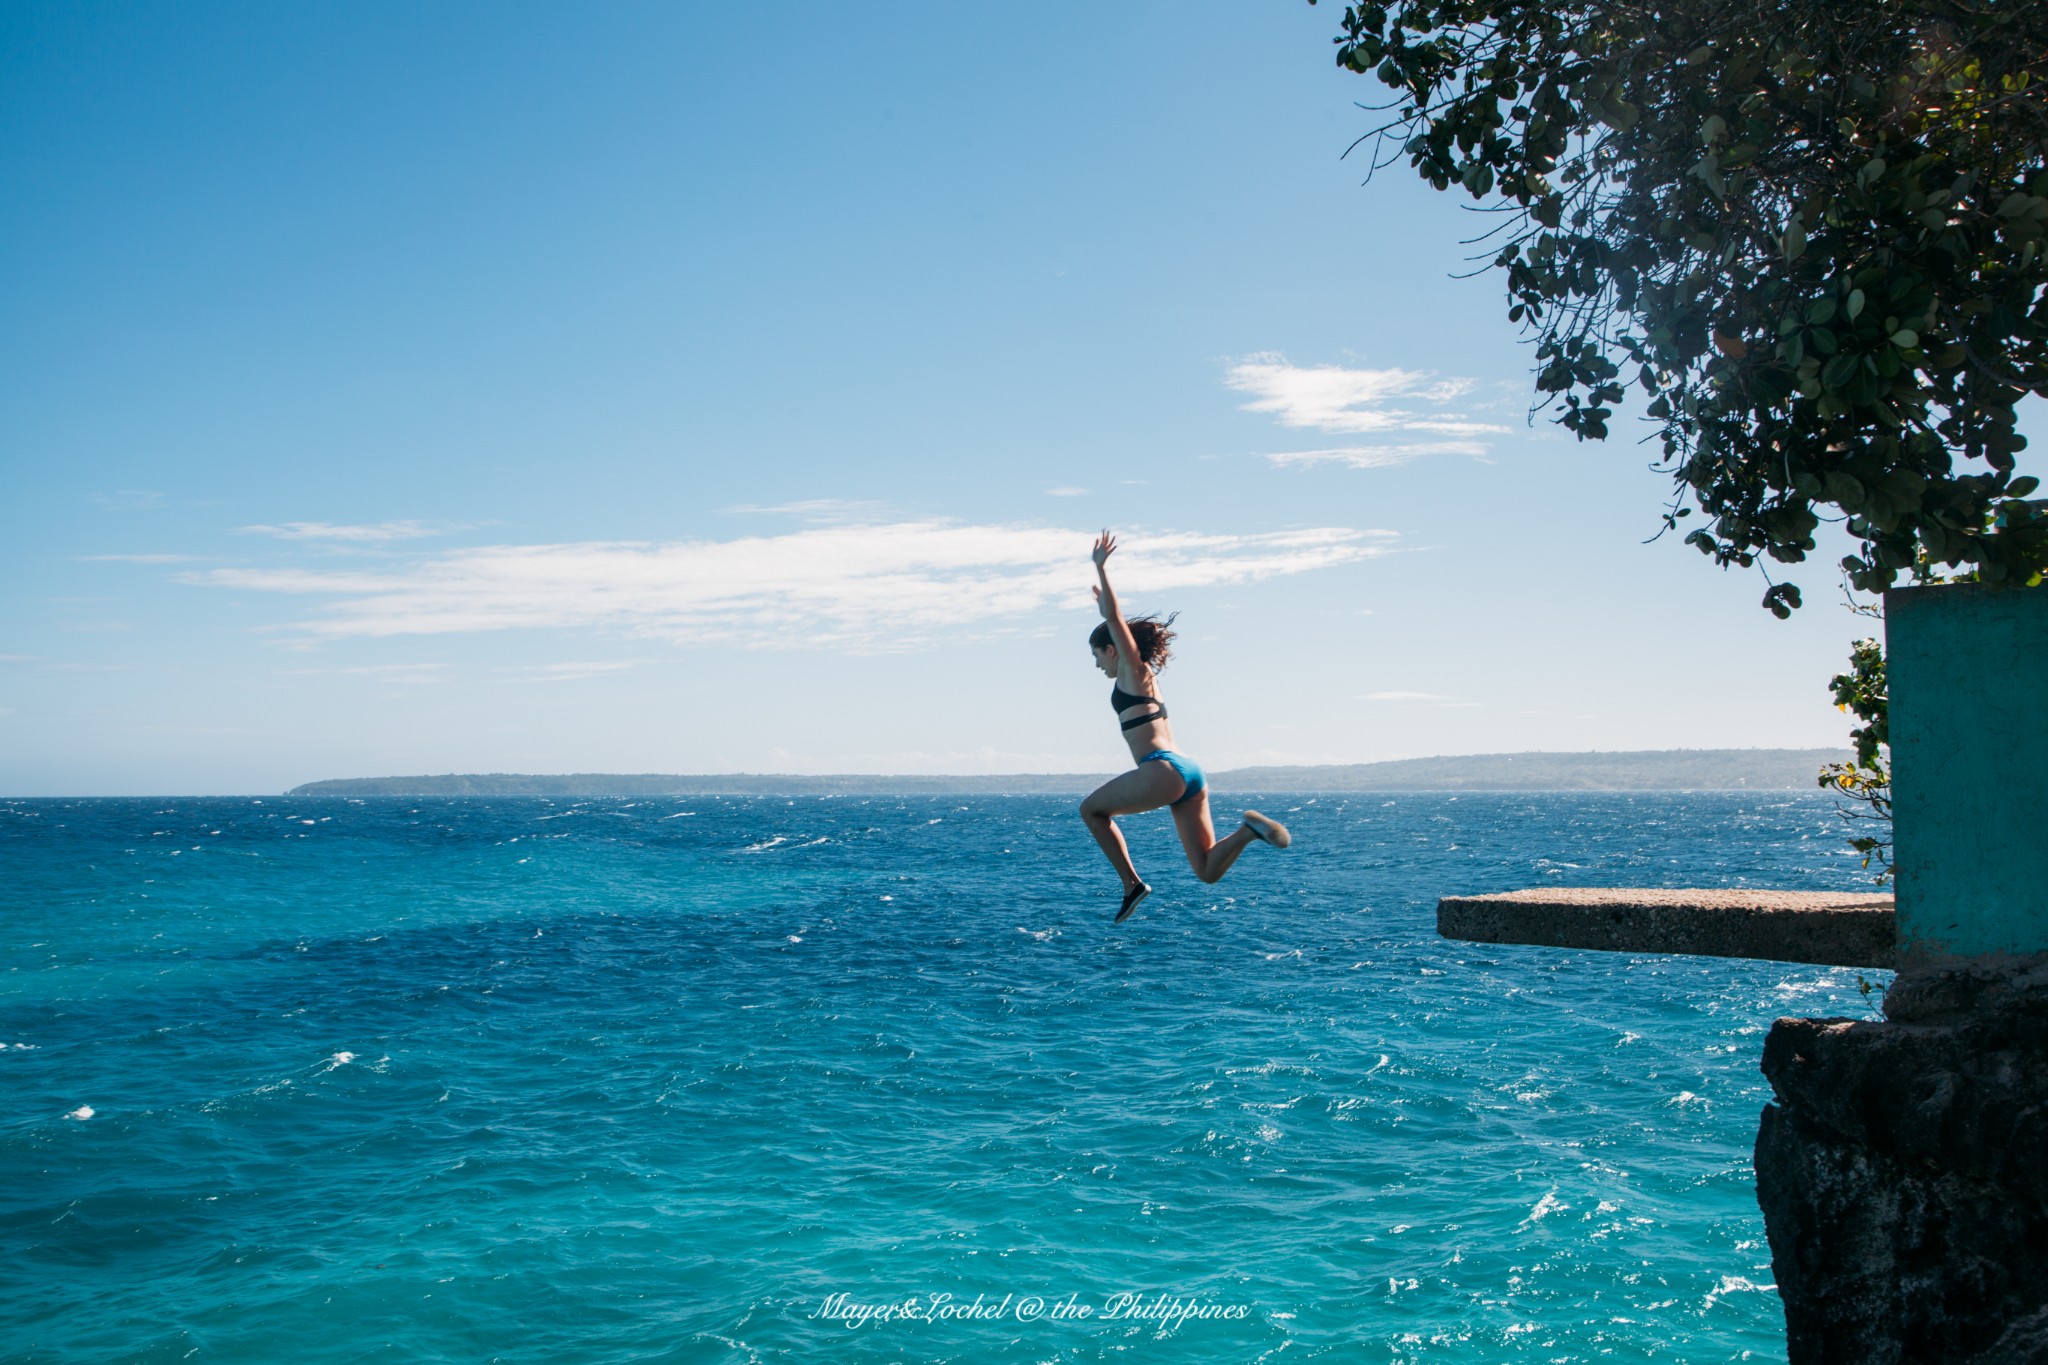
(848, 1079)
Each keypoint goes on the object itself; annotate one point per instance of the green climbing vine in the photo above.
(1866, 780)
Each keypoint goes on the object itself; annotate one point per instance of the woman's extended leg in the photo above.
(1209, 856)
(1145, 787)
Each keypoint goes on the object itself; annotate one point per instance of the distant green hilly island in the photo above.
(1632, 770)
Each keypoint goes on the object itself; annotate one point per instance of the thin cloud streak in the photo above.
(573, 672)
(376, 533)
(1437, 700)
(818, 511)
(871, 586)
(403, 673)
(140, 559)
(1378, 457)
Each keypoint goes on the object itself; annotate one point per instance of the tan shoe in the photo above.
(1268, 829)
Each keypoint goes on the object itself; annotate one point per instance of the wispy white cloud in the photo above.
(1066, 490)
(1437, 701)
(1380, 456)
(571, 672)
(1332, 398)
(818, 511)
(401, 673)
(441, 672)
(1391, 402)
(374, 533)
(862, 586)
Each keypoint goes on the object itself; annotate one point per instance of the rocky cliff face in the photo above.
(1903, 1174)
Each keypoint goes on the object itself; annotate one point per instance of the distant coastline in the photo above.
(1632, 770)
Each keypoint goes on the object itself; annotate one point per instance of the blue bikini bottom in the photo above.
(1189, 770)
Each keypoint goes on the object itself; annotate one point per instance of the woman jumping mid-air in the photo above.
(1132, 652)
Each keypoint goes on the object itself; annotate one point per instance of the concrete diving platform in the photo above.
(1828, 928)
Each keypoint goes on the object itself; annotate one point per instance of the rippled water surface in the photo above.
(655, 1080)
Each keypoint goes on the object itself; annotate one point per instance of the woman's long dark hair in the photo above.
(1154, 637)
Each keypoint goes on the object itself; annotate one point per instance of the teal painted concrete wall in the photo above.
(1967, 672)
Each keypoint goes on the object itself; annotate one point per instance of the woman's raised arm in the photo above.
(1105, 598)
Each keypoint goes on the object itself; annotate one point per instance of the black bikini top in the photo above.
(1123, 701)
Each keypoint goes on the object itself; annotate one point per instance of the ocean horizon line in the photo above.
(1532, 770)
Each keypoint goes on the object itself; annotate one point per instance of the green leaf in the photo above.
(1855, 303)
(1620, 115)
(1708, 170)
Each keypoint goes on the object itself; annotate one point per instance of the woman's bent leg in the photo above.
(1209, 856)
(1113, 846)
(1145, 787)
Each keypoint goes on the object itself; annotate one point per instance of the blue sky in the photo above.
(679, 388)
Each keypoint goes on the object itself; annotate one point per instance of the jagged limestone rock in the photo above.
(1903, 1173)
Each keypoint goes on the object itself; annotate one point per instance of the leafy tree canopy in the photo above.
(1815, 232)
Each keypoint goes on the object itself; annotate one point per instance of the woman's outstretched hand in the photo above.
(1105, 545)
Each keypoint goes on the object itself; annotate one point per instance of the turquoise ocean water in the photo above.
(711, 1079)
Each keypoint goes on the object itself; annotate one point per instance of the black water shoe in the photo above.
(1131, 899)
